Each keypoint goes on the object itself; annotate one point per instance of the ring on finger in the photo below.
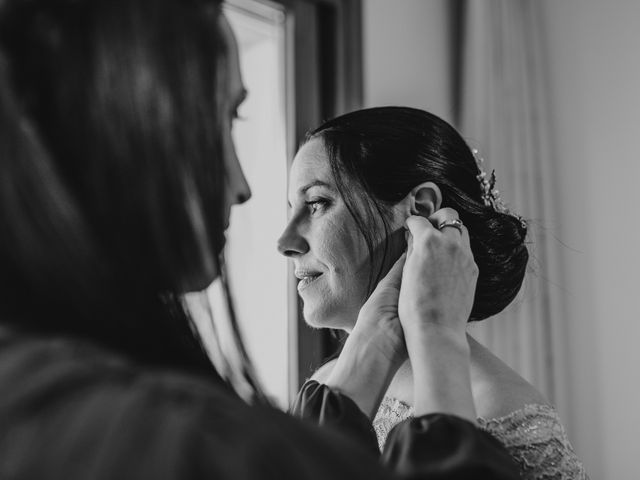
(454, 222)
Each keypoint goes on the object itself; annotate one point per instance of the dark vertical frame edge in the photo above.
(326, 72)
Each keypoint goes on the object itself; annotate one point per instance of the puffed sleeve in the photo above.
(321, 405)
(434, 446)
(438, 446)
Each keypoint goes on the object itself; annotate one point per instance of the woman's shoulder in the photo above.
(78, 409)
(56, 367)
(537, 441)
(510, 393)
(516, 413)
(498, 390)
(87, 388)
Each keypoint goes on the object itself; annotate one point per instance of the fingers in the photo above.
(448, 222)
(419, 226)
(445, 215)
(394, 277)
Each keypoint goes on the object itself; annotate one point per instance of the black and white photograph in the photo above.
(319, 239)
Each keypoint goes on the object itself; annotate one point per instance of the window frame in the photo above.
(327, 80)
(324, 78)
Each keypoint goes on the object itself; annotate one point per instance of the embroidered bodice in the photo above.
(533, 435)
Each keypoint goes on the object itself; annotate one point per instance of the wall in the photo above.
(594, 80)
(405, 54)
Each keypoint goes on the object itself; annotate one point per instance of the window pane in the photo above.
(258, 274)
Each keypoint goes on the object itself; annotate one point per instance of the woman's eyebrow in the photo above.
(315, 183)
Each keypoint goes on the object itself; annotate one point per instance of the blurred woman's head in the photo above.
(117, 167)
(352, 186)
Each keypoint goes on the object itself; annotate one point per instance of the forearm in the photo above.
(363, 372)
(440, 360)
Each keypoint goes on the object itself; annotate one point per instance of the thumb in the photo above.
(394, 277)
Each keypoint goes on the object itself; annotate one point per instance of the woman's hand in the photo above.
(435, 301)
(378, 321)
(439, 277)
(375, 348)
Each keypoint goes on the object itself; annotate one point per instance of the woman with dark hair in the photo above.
(353, 184)
(117, 175)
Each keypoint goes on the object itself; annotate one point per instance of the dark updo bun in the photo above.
(497, 243)
(387, 151)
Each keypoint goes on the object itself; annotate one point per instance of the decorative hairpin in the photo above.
(490, 194)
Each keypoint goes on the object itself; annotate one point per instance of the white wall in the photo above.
(595, 83)
(594, 52)
(406, 60)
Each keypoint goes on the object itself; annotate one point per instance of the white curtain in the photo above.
(504, 114)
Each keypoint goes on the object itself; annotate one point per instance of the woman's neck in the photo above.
(497, 389)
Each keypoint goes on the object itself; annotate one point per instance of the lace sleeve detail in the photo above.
(538, 442)
(391, 412)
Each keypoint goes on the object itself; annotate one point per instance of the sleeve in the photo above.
(431, 447)
(323, 406)
(537, 442)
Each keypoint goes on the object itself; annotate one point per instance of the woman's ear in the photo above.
(425, 199)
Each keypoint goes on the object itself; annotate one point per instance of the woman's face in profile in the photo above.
(328, 251)
(237, 189)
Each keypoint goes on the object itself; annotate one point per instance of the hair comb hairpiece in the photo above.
(490, 194)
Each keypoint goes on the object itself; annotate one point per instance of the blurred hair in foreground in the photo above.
(109, 138)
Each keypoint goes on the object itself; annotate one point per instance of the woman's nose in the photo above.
(238, 185)
(242, 189)
(243, 196)
(291, 243)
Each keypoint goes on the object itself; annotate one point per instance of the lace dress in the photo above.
(533, 435)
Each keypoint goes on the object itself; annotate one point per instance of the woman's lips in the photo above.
(307, 280)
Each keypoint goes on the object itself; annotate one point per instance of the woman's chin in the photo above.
(319, 320)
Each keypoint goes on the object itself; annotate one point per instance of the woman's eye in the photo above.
(317, 205)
